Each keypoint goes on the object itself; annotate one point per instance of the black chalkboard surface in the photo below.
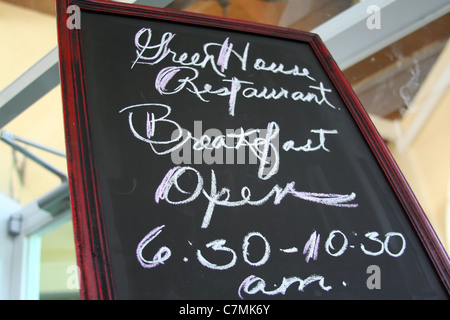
(217, 159)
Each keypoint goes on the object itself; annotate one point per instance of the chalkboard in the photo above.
(220, 159)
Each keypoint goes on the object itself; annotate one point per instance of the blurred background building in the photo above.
(394, 53)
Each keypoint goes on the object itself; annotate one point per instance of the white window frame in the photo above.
(25, 258)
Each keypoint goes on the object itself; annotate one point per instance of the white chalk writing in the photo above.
(184, 74)
(223, 76)
(222, 197)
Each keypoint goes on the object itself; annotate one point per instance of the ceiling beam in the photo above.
(350, 40)
(33, 84)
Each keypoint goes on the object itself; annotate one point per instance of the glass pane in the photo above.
(59, 271)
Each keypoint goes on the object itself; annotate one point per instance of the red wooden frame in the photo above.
(92, 251)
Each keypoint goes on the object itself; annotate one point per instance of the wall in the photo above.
(426, 166)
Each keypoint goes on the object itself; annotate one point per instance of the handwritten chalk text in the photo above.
(222, 197)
